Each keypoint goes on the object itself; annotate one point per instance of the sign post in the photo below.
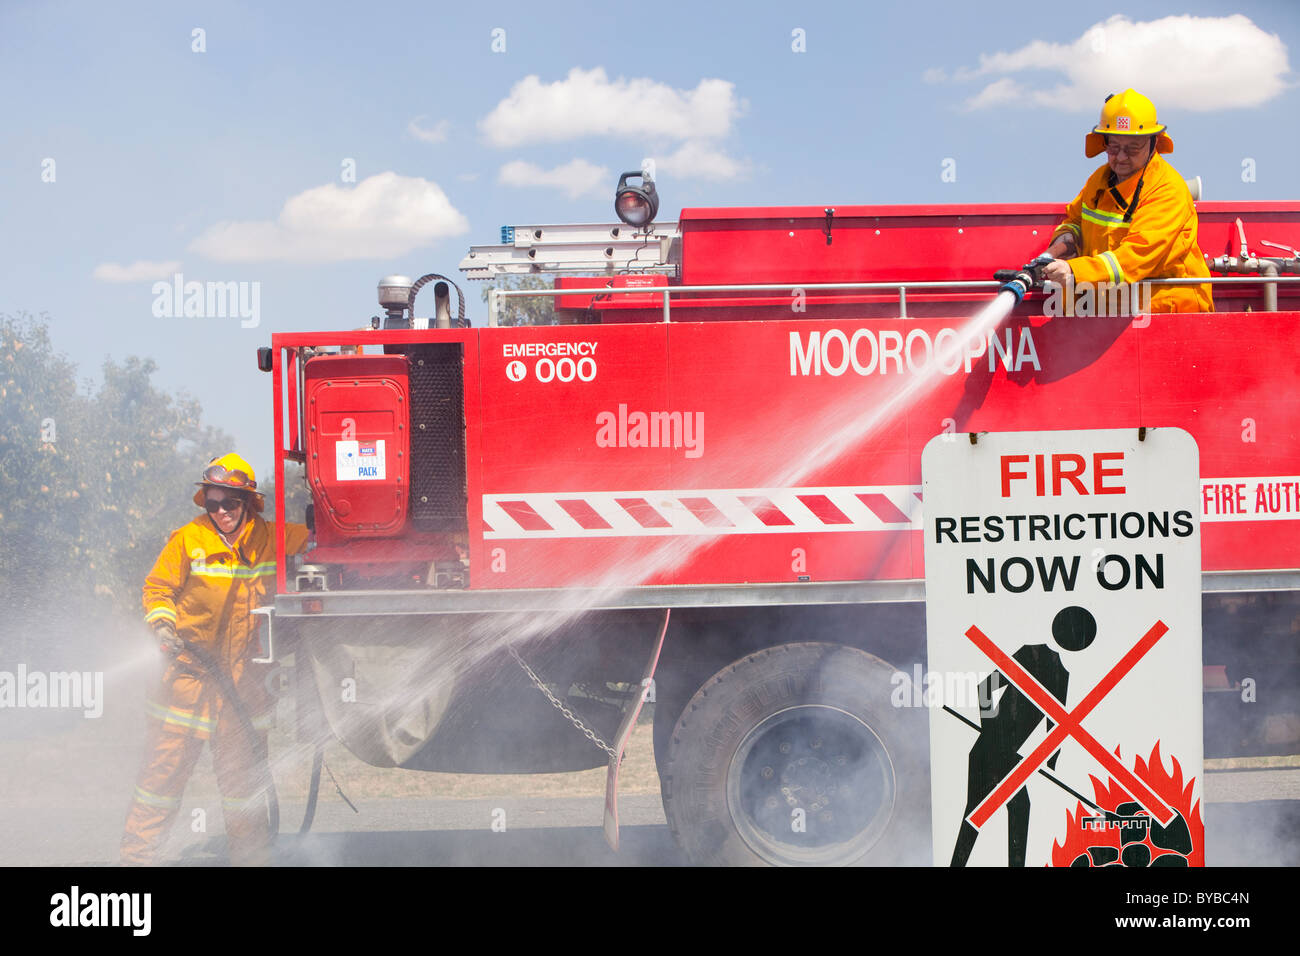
(1063, 611)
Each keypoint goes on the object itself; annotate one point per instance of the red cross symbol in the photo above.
(1068, 724)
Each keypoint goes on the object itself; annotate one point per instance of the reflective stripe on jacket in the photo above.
(1159, 242)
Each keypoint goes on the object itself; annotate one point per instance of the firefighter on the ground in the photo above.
(198, 599)
(1134, 218)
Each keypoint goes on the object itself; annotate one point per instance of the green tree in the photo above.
(297, 495)
(37, 394)
(94, 479)
(525, 310)
(140, 452)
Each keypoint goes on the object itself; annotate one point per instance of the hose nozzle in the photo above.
(1020, 281)
(1016, 281)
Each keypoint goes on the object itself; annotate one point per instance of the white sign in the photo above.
(1063, 611)
(359, 460)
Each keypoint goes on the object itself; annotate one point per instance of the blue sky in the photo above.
(228, 164)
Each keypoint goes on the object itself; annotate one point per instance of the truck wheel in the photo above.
(795, 756)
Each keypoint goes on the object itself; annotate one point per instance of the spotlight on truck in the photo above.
(636, 205)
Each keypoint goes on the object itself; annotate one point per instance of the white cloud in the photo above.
(1005, 90)
(681, 127)
(1186, 62)
(437, 133)
(588, 103)
(383, 216)
(142, 270)
(576, 178)
(701, 161)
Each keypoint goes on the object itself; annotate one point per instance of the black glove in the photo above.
(168, 642)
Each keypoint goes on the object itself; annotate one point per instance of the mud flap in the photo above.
(630, 714)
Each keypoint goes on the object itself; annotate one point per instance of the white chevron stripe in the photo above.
(681, 520)
(619, 520)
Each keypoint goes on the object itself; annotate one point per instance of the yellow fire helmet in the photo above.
(230, 471)
(1126, 114)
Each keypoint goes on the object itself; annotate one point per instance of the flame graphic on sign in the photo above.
(1125, 835)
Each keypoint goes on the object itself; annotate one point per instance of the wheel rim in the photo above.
(824, 762)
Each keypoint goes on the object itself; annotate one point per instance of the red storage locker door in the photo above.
(357, 412)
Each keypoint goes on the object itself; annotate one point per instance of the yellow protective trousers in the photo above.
(179, 722)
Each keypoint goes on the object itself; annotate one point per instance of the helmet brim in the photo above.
(1095, 142)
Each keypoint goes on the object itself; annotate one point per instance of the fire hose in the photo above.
(230, 695)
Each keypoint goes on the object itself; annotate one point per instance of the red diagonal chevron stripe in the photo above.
(643, 512)
(524, 515)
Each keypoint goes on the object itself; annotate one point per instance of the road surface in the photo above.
(1252, 818)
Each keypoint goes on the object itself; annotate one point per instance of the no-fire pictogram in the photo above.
(991, 785)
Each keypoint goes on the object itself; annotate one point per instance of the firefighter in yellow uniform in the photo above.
(199, 599)
(1134, 218)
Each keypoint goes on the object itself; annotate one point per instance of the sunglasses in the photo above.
(1128, 149)
(217, 474)
(225, 504)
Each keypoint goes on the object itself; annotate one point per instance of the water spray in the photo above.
(845, 427)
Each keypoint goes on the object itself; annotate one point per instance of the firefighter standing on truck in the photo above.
(198, 599)
(1134, 218)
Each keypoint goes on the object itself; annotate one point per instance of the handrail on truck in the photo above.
(494, 296)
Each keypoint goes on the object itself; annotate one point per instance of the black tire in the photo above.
(800, 727)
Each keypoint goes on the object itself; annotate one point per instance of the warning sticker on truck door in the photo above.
(359, 460)
(1063, 587)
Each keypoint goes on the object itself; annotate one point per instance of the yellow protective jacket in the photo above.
(207, 590)
(1159, 242)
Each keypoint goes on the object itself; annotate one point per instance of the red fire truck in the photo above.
(700, 488)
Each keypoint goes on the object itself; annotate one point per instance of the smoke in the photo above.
(69, 773)
(1256, 832)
